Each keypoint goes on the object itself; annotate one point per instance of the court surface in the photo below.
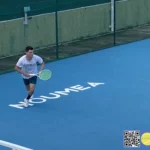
(88, 103)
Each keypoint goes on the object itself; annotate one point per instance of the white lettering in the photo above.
(67, 90)
(94, 84)
(16, 106)
(20, 105)
(79, 87)
(55, 96)
(37, 100)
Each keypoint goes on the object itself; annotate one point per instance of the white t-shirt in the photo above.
(29, 66)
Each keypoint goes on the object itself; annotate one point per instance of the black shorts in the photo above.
(31, 80)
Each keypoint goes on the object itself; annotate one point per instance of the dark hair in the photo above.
(29, 48)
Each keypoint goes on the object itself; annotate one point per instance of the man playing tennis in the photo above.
(26, 65)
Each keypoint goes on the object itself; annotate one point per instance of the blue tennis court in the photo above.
(88, 103)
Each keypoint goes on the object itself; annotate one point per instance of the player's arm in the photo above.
(42, 66)
(18, 67)
(41, 62)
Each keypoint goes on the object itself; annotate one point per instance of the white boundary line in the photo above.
(13, 146)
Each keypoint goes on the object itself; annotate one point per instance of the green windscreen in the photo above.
(14, 9)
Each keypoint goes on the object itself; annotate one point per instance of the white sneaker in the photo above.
(26, 103)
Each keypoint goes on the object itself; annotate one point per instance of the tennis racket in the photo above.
(45, 74)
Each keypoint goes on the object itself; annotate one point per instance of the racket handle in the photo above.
(33, 74)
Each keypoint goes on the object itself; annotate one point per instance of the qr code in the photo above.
(131, 139)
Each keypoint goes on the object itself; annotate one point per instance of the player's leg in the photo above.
(32, 89)
(33, 82)
(27, 84)
(32, 85)
(28, 87)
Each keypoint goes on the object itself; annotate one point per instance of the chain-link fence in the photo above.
(63, 28)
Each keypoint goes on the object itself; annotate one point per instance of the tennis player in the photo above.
(27, 64)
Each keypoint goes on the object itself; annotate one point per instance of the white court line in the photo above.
(13, 146)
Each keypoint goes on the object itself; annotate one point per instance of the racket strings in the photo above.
(45, 74)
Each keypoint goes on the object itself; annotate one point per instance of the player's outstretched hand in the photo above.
(39, 72)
